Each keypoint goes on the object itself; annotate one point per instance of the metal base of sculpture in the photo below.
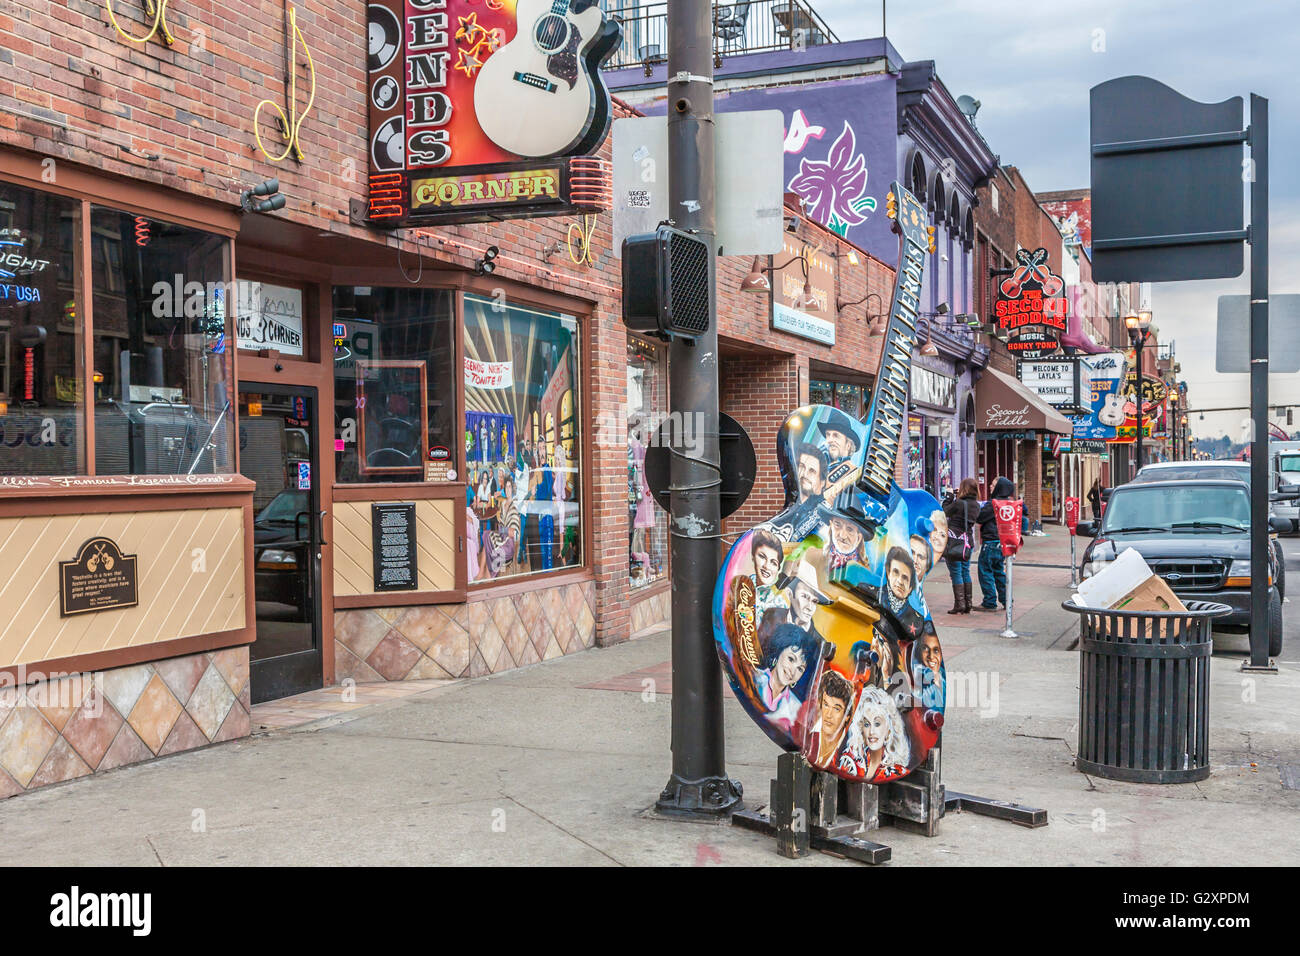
(813, 810)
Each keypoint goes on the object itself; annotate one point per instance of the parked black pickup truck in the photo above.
(1196, 536)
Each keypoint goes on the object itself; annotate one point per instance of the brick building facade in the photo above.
(158, 142)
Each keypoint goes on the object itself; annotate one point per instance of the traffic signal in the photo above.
(666, 284)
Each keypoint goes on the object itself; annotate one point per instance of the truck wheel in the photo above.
(1281, 567)
(1274, 625)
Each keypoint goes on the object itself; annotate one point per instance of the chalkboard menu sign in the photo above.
(393, 533)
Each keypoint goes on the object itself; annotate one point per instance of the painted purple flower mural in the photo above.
(832, 191)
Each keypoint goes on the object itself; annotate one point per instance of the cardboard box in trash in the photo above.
(1129, 584)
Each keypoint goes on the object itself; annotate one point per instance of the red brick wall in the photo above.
(759, 392)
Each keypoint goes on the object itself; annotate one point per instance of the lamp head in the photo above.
(806, 299)
(756, 281)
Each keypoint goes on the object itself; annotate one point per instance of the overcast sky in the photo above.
(1031, 66)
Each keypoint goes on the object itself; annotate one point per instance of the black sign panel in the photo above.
(739, 465)
(99, 578)
(1167, 179)
(392, 529)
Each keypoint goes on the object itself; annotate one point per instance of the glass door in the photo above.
(278, 450)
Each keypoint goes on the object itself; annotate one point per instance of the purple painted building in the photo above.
(857, 118)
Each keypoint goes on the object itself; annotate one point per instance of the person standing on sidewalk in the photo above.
(962, 513)
(1094, 499)
(992, 568)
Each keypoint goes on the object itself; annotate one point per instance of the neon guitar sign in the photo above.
(818, 615)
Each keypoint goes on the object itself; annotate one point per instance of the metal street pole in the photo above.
(1137, 398)
(1259, 544)
(699, 786)
(1008, 562)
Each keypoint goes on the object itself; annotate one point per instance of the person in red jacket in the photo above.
(992, 566)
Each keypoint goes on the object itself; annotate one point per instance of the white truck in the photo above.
(1284, 477)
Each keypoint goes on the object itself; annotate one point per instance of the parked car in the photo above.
(1228, 469)
(1195, 534)
(282, 548)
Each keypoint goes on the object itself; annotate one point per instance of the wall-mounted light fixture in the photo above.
(485, 266)
(929, 349)
(264, 197)
(758, 282)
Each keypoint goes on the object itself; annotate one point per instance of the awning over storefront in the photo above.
(1002, 404)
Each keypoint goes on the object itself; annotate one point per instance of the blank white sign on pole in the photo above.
(749, 168)
(1233, 353)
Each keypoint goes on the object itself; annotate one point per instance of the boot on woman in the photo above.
(958, 598)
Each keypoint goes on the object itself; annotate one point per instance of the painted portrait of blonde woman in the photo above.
(877, 738)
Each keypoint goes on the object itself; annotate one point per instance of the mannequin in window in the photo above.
(640, 502)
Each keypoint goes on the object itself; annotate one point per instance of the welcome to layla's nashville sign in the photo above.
(1031, 308)
(482, 111)
(1063, 383)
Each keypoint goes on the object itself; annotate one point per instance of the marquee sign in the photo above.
(1031, 306)
(1064, 383)
(482, 111)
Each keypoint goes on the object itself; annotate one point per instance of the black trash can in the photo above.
(1144, 692)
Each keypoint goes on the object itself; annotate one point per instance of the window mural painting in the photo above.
(523, 454)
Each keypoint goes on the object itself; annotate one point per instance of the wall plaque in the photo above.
(392, 528)
(100, 578)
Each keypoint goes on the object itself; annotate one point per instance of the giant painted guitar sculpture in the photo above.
(818, 614)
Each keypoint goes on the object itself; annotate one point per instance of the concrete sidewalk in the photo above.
(558, 762)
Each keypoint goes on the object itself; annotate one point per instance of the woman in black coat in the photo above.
(962, 513)
(1094, 499)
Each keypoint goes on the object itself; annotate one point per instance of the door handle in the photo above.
(317, 527)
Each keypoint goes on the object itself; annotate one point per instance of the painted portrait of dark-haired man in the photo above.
(834, 707)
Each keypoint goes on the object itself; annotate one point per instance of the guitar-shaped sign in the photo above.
(541, 94)
(819, 615)
(1111, 413)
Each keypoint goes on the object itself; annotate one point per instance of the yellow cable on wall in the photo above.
(154, 8)
(586, 231)
(289, 128)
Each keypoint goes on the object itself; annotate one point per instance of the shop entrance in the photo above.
(279, 450)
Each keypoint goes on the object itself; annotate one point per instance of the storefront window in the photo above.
(41, 370)
(915, 451)
(162, 399)
(647, 403)
(394, 384)
(524, 510)
(847, 397)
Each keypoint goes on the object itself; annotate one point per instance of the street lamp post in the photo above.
(1139, 327)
